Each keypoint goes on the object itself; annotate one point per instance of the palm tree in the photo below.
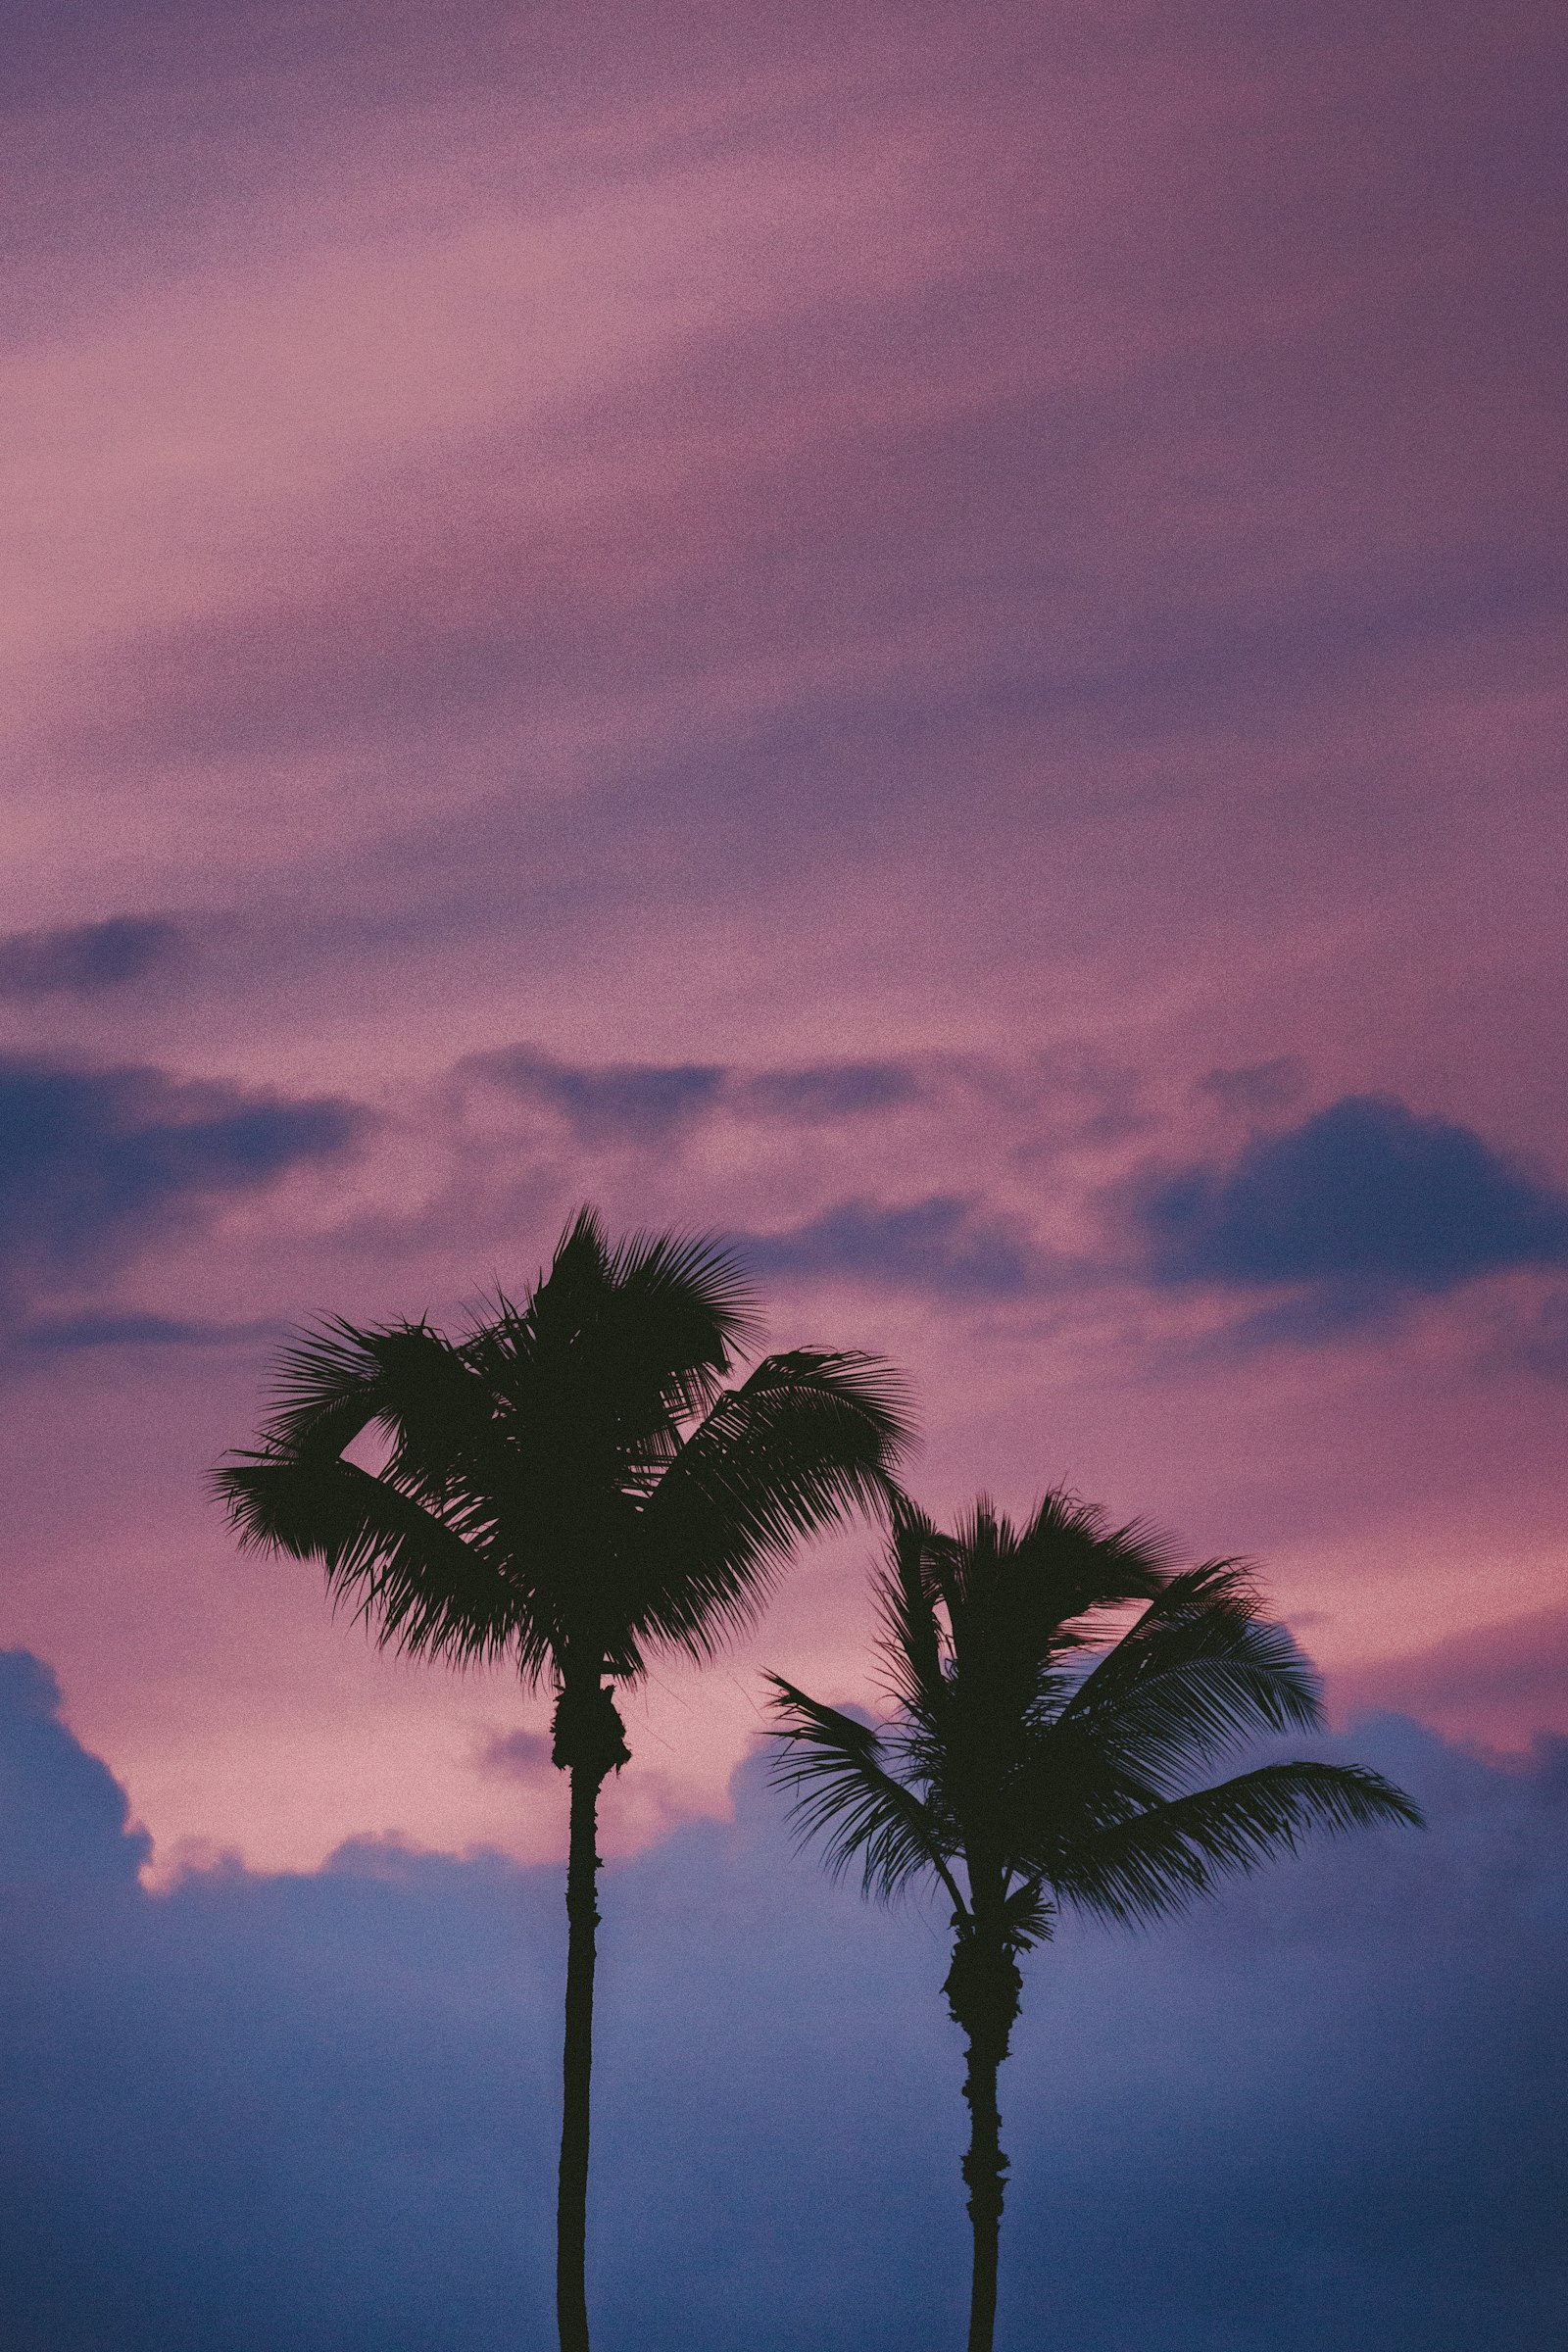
(1021, 1772)
(572, 1485)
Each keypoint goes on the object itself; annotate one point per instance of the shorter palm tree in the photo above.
(1021, 1771)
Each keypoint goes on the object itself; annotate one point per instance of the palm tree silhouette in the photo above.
(571, 1484)
(1020, 1772)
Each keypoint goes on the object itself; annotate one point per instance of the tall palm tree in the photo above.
(571, 1484)
(1021, 1772)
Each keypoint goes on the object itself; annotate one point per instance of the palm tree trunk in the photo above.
(985, 2172)
(576, 2066)
(983, 1990)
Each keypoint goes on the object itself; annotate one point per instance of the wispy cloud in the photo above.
(645, 1101)
(518, 1755)
(944, 1243)
(85, 959)
(639, 1100)
(1501, 1684)
(135, 1327)
(96, 1163)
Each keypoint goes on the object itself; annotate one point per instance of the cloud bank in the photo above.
(318, 2110)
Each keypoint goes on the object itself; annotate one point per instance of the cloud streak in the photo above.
(1485, 1685)
(84, 959)
(95, 1166)
(944, 1243)
(646, 1102)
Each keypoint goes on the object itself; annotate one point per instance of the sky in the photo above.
(927, 639)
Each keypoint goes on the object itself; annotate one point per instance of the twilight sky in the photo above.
(931, 640)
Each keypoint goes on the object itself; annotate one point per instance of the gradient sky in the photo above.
(930, 640)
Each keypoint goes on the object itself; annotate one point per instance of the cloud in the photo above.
(526, 1756)
(62, 1812)
(813, 354)
(135, 1326)
(1542, 1345)
(94, 1165)
(1257, 1086)
(85, 959)
(647, 1100)
(318, 2110)
(1365, 1200)
(944, 1243)
(832, 1090)
(636, 1100)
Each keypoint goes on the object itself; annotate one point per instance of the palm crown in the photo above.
(571, 1482)
(1022, 1770)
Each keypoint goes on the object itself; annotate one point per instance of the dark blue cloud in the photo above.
(318, 2111)
(86, 958)
(833, 1090)
(136, 1328)
(1365, 1198)
(95, 1164)
(646, 1100)
(629, 1099)
(944, 1243)
(62, 1812)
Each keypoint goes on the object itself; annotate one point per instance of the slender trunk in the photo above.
(590, 1742)
(983, 1990)
(577, 2058)
(985, 2172)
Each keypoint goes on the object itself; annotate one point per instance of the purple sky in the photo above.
(930, 638)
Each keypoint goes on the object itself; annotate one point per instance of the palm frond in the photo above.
(1016, 1601)
(656, 1317)
(404, 1379)
(911, 1647)
(808, 1436)
(1028, 1915)
(1073, 1561)
(1201, 1670)
(1162, 1859)
(694, 1277)
(844, 1795)
(426, 1591)
(327, 1386)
